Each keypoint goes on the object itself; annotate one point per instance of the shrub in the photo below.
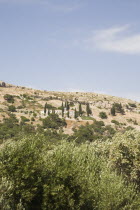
(34, 114)
(24, 120)
(9, 98)
(32, 119)
(103, 115)
(53, 121)
(20, 107)
(124, 153)
(133, 105)
(9, 128)
(115, 122)
(67, 177)
(12, 108)
(90, 133)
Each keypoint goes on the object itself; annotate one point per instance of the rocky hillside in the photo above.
(77, 108)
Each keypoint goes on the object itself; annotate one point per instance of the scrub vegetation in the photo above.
(44, 167)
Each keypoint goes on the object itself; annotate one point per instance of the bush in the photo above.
(12, 108)
(20, 107)
(32, 119)
(90, 133)
(124, 153)
(9, 98)
(87, 118)
(24, 119)
(115, 122)
(103, 115)
(9, 128)
(133, 105)
(67, 177)
(53, 121)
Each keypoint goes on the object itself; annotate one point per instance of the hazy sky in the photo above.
(72, 45)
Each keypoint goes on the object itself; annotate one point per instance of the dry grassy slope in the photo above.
(98, 103)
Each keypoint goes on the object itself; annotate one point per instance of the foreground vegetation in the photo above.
(42, 168)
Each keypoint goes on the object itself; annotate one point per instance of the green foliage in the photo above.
(129, 128)
(27, 97)
(132, 105)
(24, 119)
(11, 108)
(87, 118)
(118, 108)
(76, 113)
(67, 106)
(80, 110)
(90, 133)
(34, 114)
(32, 119)
(88, 110)
(21, 165)
(66, 177)
(103, 115)
(62, 108)
(49, 106)
(9, 128)
(20, 107)
(124, 155)
(113, 111)
(71, 104)
(53, 121)
(132, 121)
(115, 122)
(45, 108)
(9, 98)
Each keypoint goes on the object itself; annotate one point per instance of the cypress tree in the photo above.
(62, 109)
(45, 108)
(67, 107)
(88, 110)
(113, 111)
(80, 109)
(75, 114)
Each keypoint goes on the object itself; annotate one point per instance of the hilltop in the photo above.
(30, 103)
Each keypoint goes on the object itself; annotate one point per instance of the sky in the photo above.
(72, 45)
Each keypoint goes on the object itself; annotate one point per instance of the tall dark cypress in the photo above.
(45, 108)
(113, 111)
(88, 110)
(80, 109)
(75, 114)
(62, 109)
(68, 106)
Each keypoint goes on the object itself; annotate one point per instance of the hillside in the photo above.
(68, 150)
(30, 103)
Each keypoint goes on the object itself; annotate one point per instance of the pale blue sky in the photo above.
(72, 45)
